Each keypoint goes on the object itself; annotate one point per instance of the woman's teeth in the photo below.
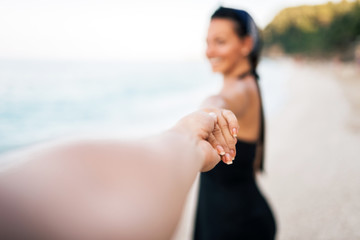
(214, 60)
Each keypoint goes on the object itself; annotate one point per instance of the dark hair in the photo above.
(244, 26)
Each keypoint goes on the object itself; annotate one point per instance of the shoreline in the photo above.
(313, 150)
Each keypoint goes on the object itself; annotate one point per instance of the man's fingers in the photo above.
(217, 146)
(219, 141)
(211, 158)
(213, 115)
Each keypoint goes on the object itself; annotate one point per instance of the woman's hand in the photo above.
(95, 189)
(223, 138)
(216, 133)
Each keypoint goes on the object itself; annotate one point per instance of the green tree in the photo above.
(319, 30)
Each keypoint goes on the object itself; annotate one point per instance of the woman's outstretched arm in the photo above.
(106, 189)
(234, 96)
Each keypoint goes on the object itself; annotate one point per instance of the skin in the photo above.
(228, 55)
(107, 189)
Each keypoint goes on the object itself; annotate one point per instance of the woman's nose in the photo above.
(209, 51)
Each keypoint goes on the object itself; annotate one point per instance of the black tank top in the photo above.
(230, 205)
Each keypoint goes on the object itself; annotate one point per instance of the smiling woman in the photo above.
(226, 52)
(230, 205)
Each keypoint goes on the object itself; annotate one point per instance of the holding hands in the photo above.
(215, 130)
(223, 137)
(98, 186)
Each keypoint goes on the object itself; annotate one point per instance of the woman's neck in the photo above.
(238, 71)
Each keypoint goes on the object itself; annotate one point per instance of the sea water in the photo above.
(44, 100)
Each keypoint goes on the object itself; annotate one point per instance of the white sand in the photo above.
(313, 163)
(312, 177)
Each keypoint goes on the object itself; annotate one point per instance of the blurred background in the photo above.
(133, 68)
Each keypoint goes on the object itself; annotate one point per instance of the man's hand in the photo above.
(215, 133)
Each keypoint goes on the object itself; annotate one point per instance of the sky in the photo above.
(129, 30)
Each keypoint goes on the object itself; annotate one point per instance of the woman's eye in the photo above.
(220, 42)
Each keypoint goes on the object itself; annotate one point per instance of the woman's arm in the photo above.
(234, 97)
(107, 189)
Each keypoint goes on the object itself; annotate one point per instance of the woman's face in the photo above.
(225, 50)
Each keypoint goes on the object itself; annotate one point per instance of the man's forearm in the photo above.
(105, 190)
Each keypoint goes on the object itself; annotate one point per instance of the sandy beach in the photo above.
(312, 178)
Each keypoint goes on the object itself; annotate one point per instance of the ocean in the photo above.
(45, 100)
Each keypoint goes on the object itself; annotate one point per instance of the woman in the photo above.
(230, 205)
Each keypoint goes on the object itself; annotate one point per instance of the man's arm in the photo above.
(108, 189)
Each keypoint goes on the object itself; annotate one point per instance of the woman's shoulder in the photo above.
(241, 88)
(241, 94)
